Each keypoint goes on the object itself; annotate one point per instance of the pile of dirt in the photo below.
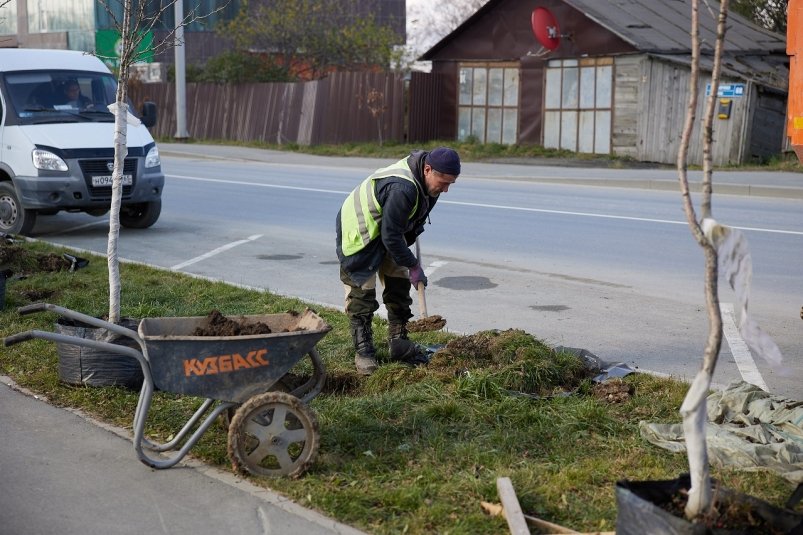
(475, 350)
(216, 324)
(21, 261)
(512, 359)
(612, 391)
(53, 262)
(427, 324)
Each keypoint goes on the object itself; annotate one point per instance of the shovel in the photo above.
(422, 297)
(426, 323)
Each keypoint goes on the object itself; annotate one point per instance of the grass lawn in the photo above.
(406, 450)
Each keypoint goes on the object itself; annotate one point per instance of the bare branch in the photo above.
(142, 24)
(169, 41)
(112, 16)
(708, 120)
(688, 125)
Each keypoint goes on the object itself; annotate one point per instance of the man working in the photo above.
(376, 225)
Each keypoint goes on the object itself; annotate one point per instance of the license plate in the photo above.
(106, 180)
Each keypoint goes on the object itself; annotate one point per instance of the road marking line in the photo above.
(215, 251)
(608, 216)
(739, 350)
(243, 183)
(433, 267)
(494, 206)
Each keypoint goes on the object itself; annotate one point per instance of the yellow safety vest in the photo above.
(361, 214)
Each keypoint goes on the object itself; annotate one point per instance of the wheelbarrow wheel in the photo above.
(273, 434)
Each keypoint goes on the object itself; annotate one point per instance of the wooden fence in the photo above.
(341, 108)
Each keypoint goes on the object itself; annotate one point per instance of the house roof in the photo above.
(771, 71)
(663, 26)
(659, 28)
(655, 26)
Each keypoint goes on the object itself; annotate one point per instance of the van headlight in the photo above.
(152, 159)
(44, 159)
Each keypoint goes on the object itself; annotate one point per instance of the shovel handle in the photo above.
(422, 299)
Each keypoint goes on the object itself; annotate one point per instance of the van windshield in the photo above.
(60, 96)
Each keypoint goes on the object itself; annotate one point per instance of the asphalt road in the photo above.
(611, 269)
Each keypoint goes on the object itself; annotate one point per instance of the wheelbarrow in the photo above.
(271, 433)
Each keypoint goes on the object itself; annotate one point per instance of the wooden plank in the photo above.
(511, 508)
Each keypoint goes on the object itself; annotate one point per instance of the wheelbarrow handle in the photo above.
(30, 309)
(17, 338)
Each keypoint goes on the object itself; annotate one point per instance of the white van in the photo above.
(57, 142)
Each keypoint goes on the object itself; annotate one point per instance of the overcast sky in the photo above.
(443, 18)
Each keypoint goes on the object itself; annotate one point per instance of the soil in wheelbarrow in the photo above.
(216, 324)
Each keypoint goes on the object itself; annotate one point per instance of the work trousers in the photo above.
(395, 280)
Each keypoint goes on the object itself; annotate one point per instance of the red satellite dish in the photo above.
(545, 28)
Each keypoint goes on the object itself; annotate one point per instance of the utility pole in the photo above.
(181, 82)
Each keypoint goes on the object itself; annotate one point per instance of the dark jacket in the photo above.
(397, 197)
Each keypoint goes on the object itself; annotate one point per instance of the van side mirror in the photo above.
(149, 114)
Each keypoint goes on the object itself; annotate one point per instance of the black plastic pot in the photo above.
(92, 367)
(640, 510)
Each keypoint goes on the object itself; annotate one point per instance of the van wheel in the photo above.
(14, 219)
(140, 215)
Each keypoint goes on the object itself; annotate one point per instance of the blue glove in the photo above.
(417, 275)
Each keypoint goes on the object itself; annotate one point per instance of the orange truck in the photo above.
(794, 48)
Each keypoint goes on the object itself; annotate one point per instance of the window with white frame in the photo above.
(577, 105)
(488, 103)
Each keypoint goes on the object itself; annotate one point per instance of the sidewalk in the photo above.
(757, 183)
(65, 473)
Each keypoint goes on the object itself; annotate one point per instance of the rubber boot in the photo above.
(397, 329)
(365, 356)
(400, 347)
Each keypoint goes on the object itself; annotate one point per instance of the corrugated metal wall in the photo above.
(331, 110)
(425, 106)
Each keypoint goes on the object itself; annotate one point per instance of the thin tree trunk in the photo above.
(693, 408)
(120, 150)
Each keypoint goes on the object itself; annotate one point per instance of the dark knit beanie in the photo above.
(444, 160)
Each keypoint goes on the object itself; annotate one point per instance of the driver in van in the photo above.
(72, 95)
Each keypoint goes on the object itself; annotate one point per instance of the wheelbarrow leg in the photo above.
(191, 423)
(139, 431)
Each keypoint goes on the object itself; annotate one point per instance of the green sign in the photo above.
(107, 47)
